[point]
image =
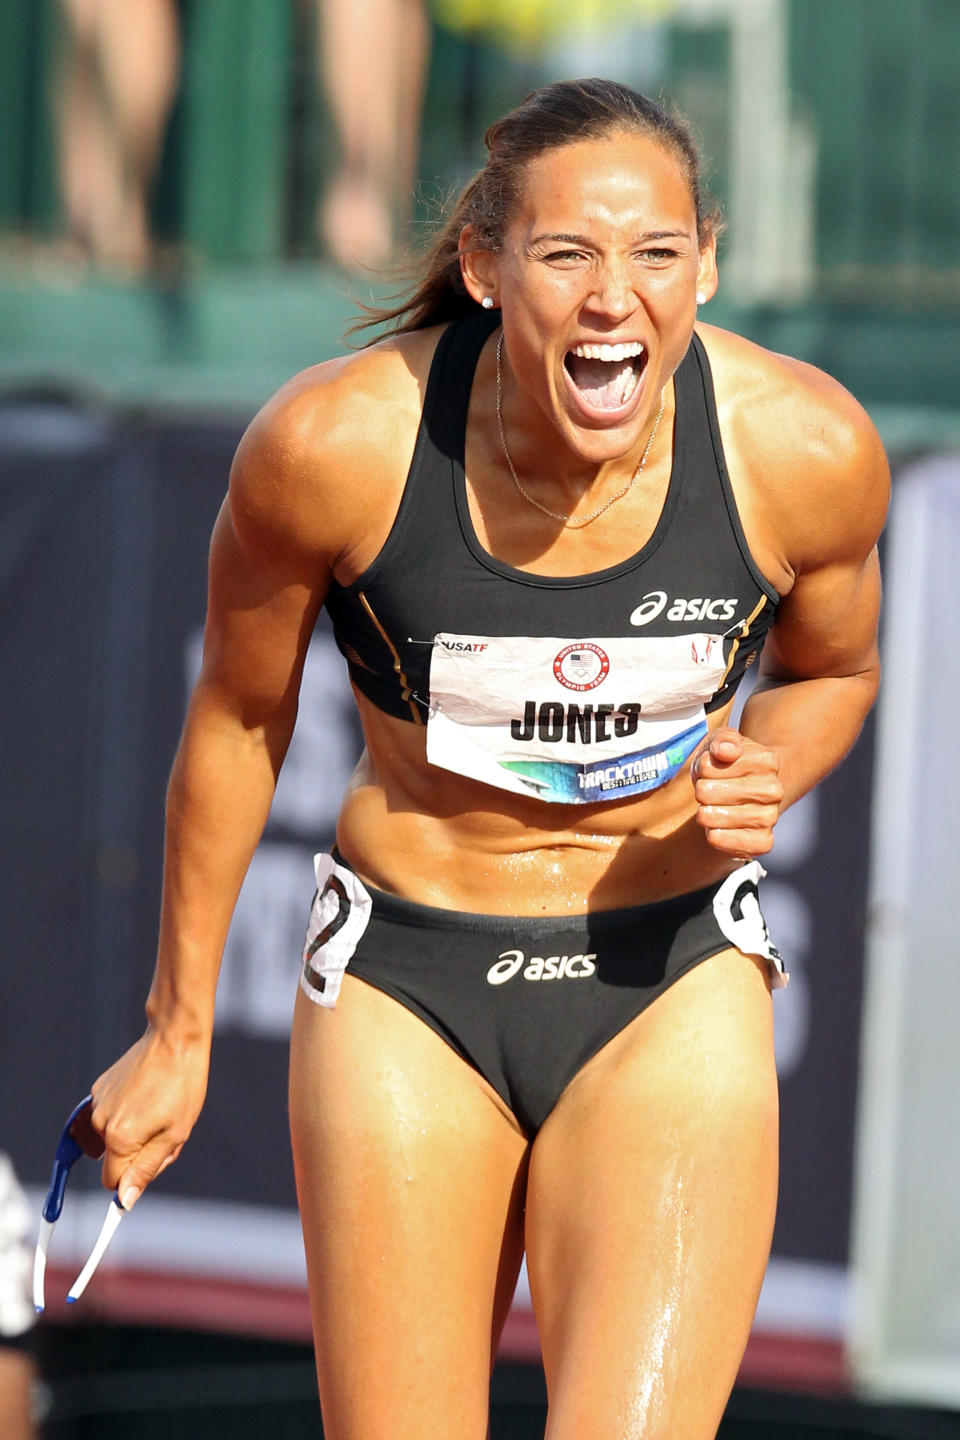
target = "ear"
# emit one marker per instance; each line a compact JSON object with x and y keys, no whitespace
{"x":707,"y":278}
{"x":478,"y":266}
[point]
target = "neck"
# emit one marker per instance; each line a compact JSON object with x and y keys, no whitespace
{"x":557,"y":474}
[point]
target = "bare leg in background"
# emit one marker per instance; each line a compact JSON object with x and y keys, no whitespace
{"x":372,"y":58}
{"x":118,"y":77}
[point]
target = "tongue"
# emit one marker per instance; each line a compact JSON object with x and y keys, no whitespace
{"x":604,"y":383}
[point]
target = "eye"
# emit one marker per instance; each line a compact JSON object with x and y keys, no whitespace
{"x":656,"y":255}
{"x":565,"y":257}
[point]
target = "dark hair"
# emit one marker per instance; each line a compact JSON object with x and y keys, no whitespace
{"x":549,"y":118}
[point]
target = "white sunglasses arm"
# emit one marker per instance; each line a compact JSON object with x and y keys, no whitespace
{"x":108,"y":1229}
{"x":40,"y":1263}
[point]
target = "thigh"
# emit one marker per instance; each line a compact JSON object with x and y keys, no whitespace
{"x":410,"y":1176}
{"x":650,"y":1209}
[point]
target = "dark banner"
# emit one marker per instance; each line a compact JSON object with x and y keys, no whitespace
{"x":104,"y":527}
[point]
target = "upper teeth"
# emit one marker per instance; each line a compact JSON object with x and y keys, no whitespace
{"x":627,"y":351}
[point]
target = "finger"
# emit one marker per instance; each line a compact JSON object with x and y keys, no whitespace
{"x":129,"y":1144}
{"x":151,"y":1161}
{"x":742,"y":844}
{"x":738,"y":817}
{"x":714,"y":752}
{"x":86,"y":1134}
{"x":751,"y":789}
{"x":726,"y":834}
{"x":174,"y":1155}
{"x":726,"y":744}
{"x":752,"y":760}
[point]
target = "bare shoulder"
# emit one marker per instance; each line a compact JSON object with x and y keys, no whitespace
{"x":327,"y":456}
{"x":808,"y":449}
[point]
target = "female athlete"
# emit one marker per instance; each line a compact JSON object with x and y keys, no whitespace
{"x":553,"y":519}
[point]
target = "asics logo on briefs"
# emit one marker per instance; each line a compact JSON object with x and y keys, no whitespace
{"x":655,"y":602}
{"x":540,"y":967}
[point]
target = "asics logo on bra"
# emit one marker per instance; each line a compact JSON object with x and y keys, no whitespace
{"x":540,"y":967}
{"x":655,"y":602}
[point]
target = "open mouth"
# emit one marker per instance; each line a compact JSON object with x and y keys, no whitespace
{"x":606,"y":376}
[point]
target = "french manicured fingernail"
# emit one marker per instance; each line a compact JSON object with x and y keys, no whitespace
{"x":130,"y":1196}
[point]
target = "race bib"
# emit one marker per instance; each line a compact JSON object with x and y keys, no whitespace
{"x":572,"y":722}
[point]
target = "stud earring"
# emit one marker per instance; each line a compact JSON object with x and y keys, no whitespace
{"x":701,"y":298}
{"x":487,"y":302}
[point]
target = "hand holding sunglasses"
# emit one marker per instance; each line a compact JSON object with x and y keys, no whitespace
{"x":78,"y":1138}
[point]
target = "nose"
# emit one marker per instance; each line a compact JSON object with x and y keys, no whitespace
{"x":614,"y":295}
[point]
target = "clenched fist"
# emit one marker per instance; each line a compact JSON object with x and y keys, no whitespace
{"x":738,"y":793}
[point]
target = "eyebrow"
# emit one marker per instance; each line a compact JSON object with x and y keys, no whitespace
{"x":583,"y":240}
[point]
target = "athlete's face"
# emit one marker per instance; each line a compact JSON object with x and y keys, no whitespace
{"x":602,"y":251}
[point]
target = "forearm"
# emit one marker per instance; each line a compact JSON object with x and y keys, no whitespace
{"x":218,"y":800}
{"x":810,"y":724}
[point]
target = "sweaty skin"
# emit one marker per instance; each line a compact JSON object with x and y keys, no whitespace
{"x":603,"y":247}
{"x":314,"y":490}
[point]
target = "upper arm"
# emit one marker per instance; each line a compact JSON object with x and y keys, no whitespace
{"x":270,"y":566}
{"x":318,"y":473}
{"x":826,"y":624}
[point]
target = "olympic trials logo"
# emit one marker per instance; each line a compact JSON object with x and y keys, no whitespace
{"x":582,"y":666}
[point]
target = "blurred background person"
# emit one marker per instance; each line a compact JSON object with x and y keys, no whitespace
{"x":372,"y":61}
{"x":17,"y":1365}
{"x":118,"y":77}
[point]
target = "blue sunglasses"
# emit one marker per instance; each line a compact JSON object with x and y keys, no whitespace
{"x":78,"y":1138}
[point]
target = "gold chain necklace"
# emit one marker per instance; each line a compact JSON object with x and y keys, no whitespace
{"x":554,"y":514}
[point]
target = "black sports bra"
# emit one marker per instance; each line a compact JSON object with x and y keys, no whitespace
{"x":574,"y":688}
